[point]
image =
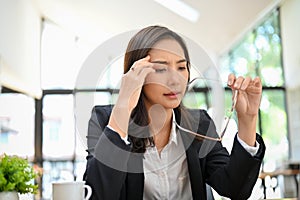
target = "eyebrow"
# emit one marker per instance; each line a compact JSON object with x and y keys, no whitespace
{"x":165,"y":62}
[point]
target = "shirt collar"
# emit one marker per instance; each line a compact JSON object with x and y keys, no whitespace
{"x":173,"y":134}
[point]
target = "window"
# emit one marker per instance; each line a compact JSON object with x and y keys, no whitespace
{"x":64,"y":142}
{"x":58,"y":127}
{"x":259,"y":54}
{"x":17,"y":125}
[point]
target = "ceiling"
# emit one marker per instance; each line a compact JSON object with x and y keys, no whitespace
{"x":221,"y":23}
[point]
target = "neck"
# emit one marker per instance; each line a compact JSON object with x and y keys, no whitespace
{"x":160,"y":125}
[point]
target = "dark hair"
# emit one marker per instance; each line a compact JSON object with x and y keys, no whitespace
{"x":138,"y":48}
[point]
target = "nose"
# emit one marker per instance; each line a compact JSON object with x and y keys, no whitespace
{"x":173,"y":78}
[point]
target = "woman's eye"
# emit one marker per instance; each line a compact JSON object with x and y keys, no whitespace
{"x":160,"y":70}
{"x":182,"y":68}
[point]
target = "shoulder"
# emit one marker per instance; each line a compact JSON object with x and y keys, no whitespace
{"x":193,"y":115}
{"x":203,"y":115}
{"x":195,"y":119}
{"x":102,"y":113}
{"x":103,"y":109}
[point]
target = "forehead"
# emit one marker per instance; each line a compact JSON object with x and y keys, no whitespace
{"x":167,"y":46}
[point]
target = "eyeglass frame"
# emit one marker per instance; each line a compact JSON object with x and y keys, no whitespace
{"x":202,"y":137}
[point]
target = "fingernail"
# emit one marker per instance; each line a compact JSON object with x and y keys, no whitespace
{"x":229,"y":82}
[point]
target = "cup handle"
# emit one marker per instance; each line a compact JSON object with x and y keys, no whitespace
{"x":89,"y":192}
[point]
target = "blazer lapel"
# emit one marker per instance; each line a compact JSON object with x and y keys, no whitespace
{"x":192,"y":154}
{"x":196,"y":178}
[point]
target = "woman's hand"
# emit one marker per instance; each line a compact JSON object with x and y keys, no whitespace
{"x":248,"y":102}
{"x":249,"y":94}
{"x":130,"y":90}
{"x":132,"y":83}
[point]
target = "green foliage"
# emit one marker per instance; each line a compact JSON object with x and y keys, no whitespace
{"x":16,"y":174}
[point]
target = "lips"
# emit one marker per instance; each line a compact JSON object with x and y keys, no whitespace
{"x":172,"y":95}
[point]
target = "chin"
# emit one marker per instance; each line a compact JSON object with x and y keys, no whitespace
{"x":171,"y":105}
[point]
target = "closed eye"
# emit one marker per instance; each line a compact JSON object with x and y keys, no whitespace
{"x":160,"y":70}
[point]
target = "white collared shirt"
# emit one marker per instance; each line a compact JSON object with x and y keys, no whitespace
{"x":166,"y":175}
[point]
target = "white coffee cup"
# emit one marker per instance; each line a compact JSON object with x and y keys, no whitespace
{"x":74,"y":190}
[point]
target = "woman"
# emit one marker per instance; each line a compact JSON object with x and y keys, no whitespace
{"x":135,"y":150}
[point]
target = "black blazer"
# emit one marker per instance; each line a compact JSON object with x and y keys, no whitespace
{"x":114,"y":173}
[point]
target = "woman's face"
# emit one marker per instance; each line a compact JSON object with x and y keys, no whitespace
{"x":166,"y":86}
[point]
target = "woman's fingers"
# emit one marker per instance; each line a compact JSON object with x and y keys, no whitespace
{"x":139,"y":65}
{"x":140,"y":69}
{"x":255,"y":86}
{"x":257,"y":82}
{"x":145,"y":71}
{"x":132,"y":82}
{"x":245,"y":83}
{"x":238,"y":82}
{"x":242,"y":83}
{"x":231,"y":80}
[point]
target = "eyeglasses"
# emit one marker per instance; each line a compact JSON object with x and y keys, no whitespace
{"x":202,"y":137}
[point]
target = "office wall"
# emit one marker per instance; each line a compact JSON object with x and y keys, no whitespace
{"x":290,"y":28}
{"x":20,"y":27}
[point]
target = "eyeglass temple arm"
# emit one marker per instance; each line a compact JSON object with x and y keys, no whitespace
{"x":197,"y":135}
{"x":231,"y":111}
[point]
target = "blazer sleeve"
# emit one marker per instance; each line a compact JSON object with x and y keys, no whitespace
{"x":233,"y":175}
{"x":107,"y":157}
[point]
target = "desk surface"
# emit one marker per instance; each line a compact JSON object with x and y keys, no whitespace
{"x":284,"y":199}
{"x":284,"y":172}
